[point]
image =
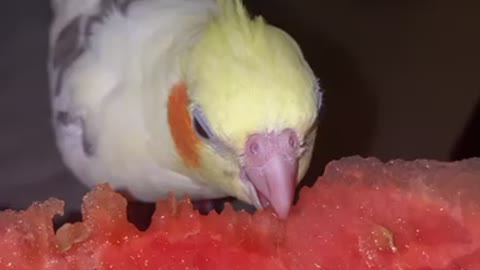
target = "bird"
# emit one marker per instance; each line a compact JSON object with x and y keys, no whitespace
{"x":194,"y":98}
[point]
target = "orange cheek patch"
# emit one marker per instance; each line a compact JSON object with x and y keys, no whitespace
{"x":181,"y":128}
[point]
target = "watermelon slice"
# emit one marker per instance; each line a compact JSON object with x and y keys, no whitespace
{"x":361,"y":214}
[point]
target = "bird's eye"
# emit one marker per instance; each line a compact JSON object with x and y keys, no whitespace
{"x":199,"y":128}
{"x":200,"y":125}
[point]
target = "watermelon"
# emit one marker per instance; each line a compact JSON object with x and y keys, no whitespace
{"x":361,"y":214}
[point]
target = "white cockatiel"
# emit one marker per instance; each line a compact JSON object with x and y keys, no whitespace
{"x":186,"y":96}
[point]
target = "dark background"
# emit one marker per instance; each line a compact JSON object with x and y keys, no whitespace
{"x":402,"y":79}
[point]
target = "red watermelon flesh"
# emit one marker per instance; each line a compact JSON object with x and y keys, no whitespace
{"x":361,"y":214}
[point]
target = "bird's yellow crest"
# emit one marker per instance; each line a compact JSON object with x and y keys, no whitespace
{"x":248,"y":76}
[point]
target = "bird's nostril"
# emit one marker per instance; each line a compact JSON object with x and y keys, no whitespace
{"x":254,"y":148}
{"x":292,"y":142}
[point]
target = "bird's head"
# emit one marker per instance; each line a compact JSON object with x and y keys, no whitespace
{"x":250,"y":103}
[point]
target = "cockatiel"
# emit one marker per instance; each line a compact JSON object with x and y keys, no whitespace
{"x":187,"y":96}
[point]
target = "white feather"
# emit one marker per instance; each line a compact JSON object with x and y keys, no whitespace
{"x":120,"y":86}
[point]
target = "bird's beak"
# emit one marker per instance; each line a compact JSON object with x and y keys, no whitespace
{"x":271,"y":165}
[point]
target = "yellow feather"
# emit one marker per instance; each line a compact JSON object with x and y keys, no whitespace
{"x":248,"y":76}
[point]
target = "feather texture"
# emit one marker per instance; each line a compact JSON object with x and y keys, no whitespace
{"x":257,"y":74}
{"x":118,"y":84}
{"x":126,"y":75}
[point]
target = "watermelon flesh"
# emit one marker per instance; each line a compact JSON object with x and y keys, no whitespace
{"x":361,"y":214}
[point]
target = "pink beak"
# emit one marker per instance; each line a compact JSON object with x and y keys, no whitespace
{"x":271,"y":165}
